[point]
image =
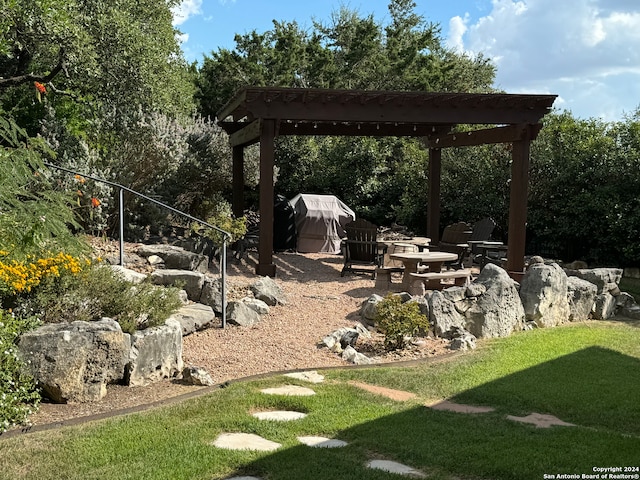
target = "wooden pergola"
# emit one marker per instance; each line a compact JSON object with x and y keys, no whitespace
{"x":260,"y":114}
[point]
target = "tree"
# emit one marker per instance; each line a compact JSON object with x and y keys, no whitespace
{"x":106,"y":70}
{"x":350,"y":51}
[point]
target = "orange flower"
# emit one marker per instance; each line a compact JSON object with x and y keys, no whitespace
{"x":95,"y":203}
{"x":40,"y":87}
{"x":79,"y":178}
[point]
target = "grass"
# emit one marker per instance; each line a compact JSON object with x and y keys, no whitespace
{"x":587,"y":374}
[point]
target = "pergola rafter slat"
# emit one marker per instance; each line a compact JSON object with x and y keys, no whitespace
{"x":259,"y":114}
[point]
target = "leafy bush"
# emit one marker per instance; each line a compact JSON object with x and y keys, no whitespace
{"x":222,"y":218}
{"x":100,"y":292}
{"x":18,"y":394}
{"x":398,"y":319}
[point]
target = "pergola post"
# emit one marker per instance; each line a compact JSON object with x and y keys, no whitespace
{"x":265,"y":266}
{"x":433,"y":208}
{"x":518,"y":204}
{"x":237,"y":203}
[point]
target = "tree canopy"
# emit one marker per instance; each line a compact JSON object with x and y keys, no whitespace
{"x":350,"y":51}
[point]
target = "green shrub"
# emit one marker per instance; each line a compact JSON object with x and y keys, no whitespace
{"x":100,"y":292}
{"x":18,"y":394}
{"x":398,"y":319}
{"x":220,"y":215}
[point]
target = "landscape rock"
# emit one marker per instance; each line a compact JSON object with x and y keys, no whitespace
{"x":256,"y":305}
{"x":606,"y":279}
{"x":604,"y":307}
{"x":267,"y":290}
{"x":369,"y":308}
{"x":128,"y":274}
{"x":176,"y":258}
{"x":339,"y":339}
{"x":240,"y":314}
{"x":194,"y":317}
{"x":191,"y":282}
{"x":211,"y":293}
{"x":351,"y":355}
{"x":74,"y":362}
{"x":156,"y":353}
{"x":544,"y":296}
{"x":443,"y":315}
{"x":498,"y":311}
{"x":461,"y":339}
{"x":581,"y":295}
{"x":196,"y":376}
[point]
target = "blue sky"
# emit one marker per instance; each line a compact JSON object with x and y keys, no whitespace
{"x":585,"y":51}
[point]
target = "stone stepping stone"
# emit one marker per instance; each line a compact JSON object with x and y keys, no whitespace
{"x":322,"y":442}
{"x":541,"y":420}
{"x":311,"y":377}
{"x":280,"y":415}
{"x":398,"y":395}
{"x":395,"y":467}
{"x":459,"y":407}
{"x":245,"y":441}
{"x":289,"y":390}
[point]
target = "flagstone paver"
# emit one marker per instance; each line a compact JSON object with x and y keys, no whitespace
{"x":398,"y":395}
{"x":245,"y":441}
{"x":395,"y":467}
{"x":280,"y":415}
{"x":289,"y":390}
{"x":311,"y":376}
{"x":322,"y":442}
{"x":541,"y":420}
{"x":458,"y":407}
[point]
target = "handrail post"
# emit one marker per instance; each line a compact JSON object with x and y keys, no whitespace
{"x":223,"y":290}
{"x":121,"y":221}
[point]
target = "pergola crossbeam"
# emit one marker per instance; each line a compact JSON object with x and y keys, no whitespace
{"x":262,"y":113}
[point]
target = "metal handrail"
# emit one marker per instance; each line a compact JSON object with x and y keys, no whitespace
{"x":226,"y":236}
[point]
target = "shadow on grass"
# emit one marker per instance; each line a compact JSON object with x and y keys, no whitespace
{"x":596,"y":388}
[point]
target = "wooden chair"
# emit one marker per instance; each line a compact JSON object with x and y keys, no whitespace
{"x":455,"y":239}
{"x":361,"y":248}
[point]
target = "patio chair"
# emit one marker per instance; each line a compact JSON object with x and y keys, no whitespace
{"x":482,"y":231}
{"x":455,"y":238}
{"x":361,"y":248}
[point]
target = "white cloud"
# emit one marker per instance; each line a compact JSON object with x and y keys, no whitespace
{"x":457,"y":29}
{"x":581,"y":49}
{"x":185,"y":10}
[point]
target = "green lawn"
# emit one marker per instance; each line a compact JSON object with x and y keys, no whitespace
{"x":587,"y":374}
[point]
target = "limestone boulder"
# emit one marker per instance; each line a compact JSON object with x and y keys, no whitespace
{"x":369,"y":308}
{"x":498,"y":311}
{"x":256,"y":305}
{"x":267,"y":290}
{"x":581,"y":296}
{"x":156,"y":353}
{"x":443,"y":315}
{"x":544,"y":295}
{"x":128,"y":274}
{"x":196,"y":376}
{"x":606,"y":279}
{"x":212,"y":293}
{"x":240,"y":314}
{"x":191,"y":282}
{"x":604,"y":307}
{"x":74,"y":362}
{"x":176,"y":258}
{"x":194,"y":317}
